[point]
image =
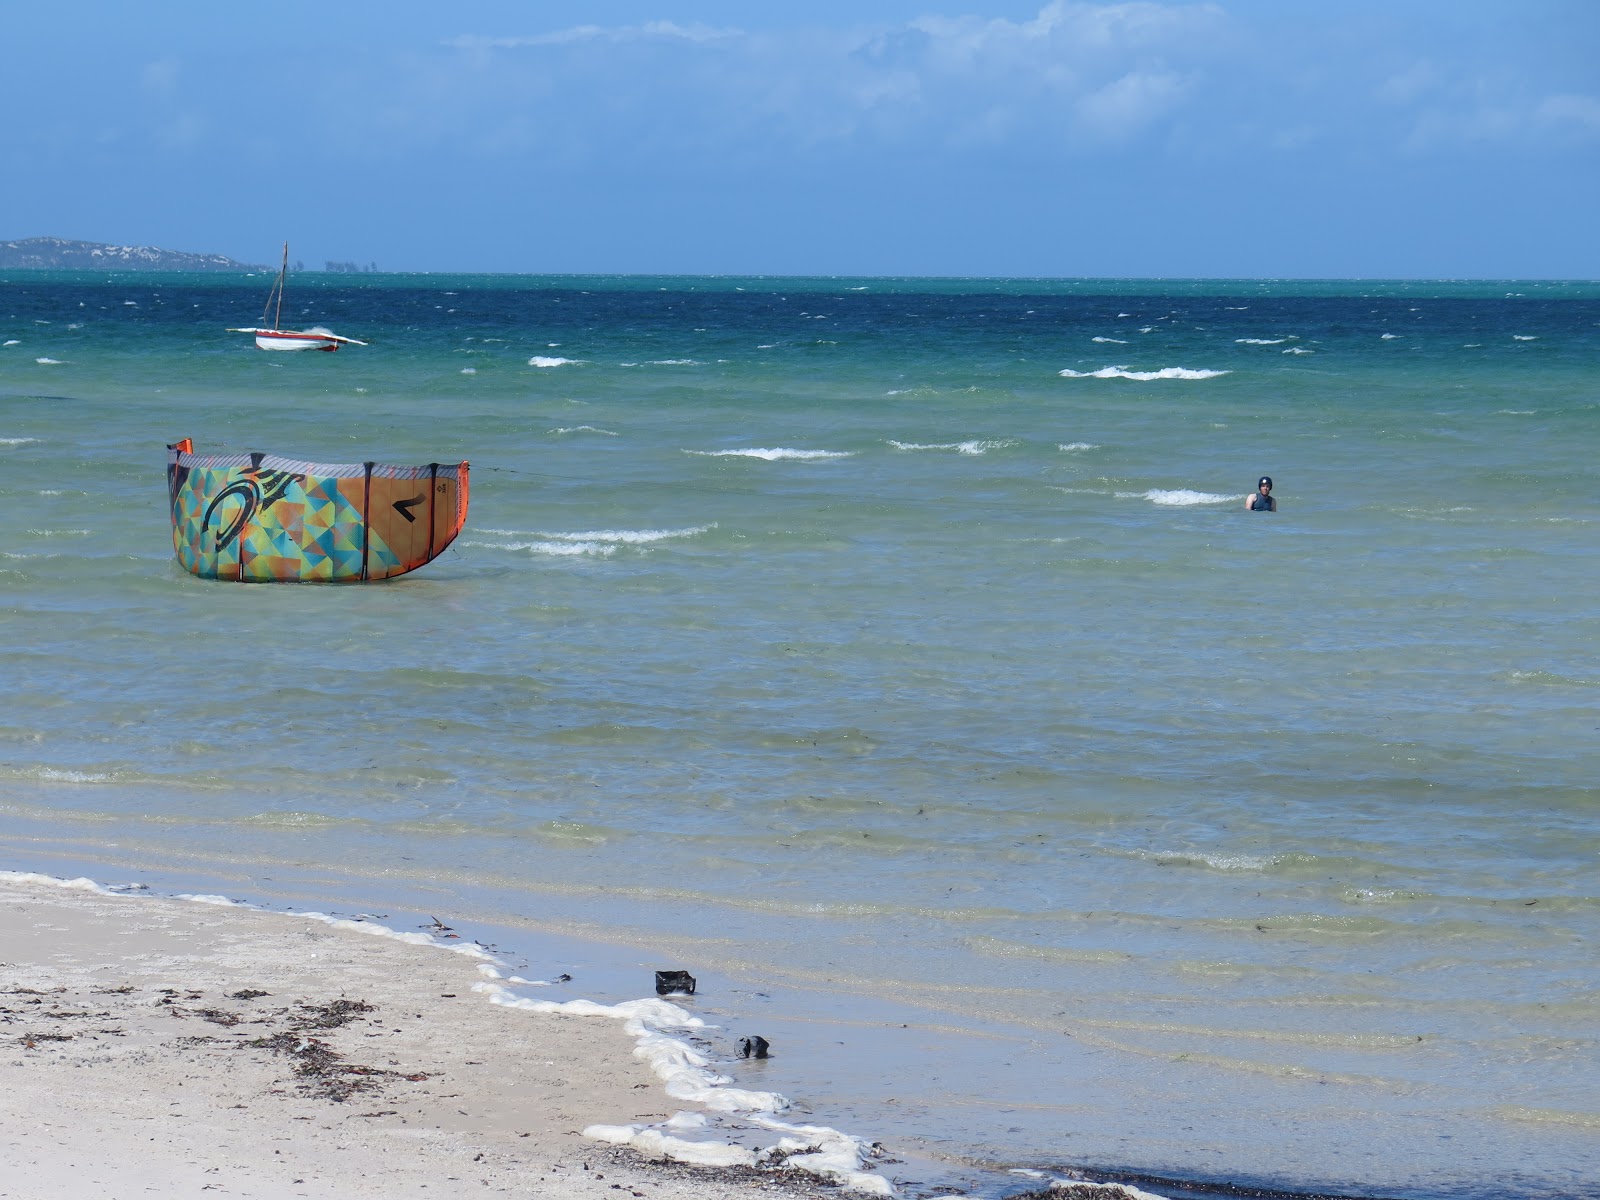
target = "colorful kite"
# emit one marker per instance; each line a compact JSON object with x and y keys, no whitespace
{"x":262,"y":519}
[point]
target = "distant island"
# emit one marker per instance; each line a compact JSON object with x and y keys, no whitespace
{"x":60,"y":254}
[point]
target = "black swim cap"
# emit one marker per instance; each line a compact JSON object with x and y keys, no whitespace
{"x":1266,"y":479}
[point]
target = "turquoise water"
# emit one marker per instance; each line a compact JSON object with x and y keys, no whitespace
{"x":900,"y":658}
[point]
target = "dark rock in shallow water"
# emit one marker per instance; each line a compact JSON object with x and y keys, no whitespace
{"x":674,"y":983}
{"x":755,"y":1047}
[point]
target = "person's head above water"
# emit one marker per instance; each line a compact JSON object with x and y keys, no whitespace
{"x":1266,"y":482}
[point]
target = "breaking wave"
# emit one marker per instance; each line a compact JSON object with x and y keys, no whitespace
{"x":975,"y":446}
{"x":771,"y":455}
{"x":1124,"y":373}
{"x":1179,"y":497}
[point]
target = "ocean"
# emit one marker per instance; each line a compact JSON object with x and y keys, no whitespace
{"x":896,"y":656}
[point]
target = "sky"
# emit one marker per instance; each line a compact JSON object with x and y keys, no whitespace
{"x":1232,"y":138}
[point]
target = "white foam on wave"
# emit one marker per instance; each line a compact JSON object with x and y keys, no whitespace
{"x":1516,"y":412}
{"x":469,"y":370}
{"x":1389,"y":337}
{"x":56,"y":775}
{"x":58,"y":533}
{"x":544,"y":360}
{"x":583,"y":429}
{"x":16,"y":441}
{"x":50,"y":362}
{"x":559,"y":549}
{"x":1262,"y":341}
{"x":1078,"y":446}
{"x":1113,"y":341}
{"x":12,"y":342}
{"x":673,"y":362}
{"x":1524,"y":337}
{"x":1125,"y":373}
{"x":773,"y":455}
{"x":975,"y":446}
{"x":1298,"y":350}
{"x":601,"y":543}
{"x":631,"y":537}
{"x":1178,"y":497}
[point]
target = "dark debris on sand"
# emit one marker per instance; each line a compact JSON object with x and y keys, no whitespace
{"x":320,"y":1071}
{"x":778,"y":1181}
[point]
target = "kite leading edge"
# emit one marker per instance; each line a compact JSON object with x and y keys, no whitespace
{"x":260,"y":518}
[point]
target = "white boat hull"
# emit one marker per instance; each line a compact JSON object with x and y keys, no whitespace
{"x":286,"y":340}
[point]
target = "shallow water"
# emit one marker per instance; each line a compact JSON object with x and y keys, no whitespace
{"x":943,"y":711}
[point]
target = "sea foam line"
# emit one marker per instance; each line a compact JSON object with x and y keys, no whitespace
{"x":1125,"y":373}
{"x":1180,"y":497}
{"x":976,"y":446}
{"x":544,"y":360}
{"x":772,"y":455}
{"x":688,"y":1076}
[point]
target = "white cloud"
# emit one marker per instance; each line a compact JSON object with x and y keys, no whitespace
{"x":1127,"y":105}
{"x":1571,"y":109}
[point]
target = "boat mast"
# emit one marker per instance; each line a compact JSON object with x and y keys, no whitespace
{"x":277,"y":320}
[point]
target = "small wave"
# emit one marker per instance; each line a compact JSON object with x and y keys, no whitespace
{"x":583,"y":429}
{"x":12,"y":342}
{"x":50,"y":362}
{"x":56,"y":775}
{"x":16,"y":441}
{"x":976,"y":446}
{"x":1216,"y":862}
{"x":1113,"y":341}
{"x":1389,"y":337}
{"x":542,"y":360}
{"x":1524,"y":337}
{"x":1147,"y":329}
{"x":772,"y":455}
{"x":58,"y":533}
{"x":1078,"y":446}
{"x":1551,"y":1116}
{"x":469,"y":370}
{"x":1179,"y":497}
{"x":1124,"y":373}
{"x":1298,"y":350}
{"x":767,"y":346}
{"x":1261,"y":341}
{"x":1516,"y":412}
{"x":673,"y":362}
{"x":631,"y":537}
{"x":567,"y":549}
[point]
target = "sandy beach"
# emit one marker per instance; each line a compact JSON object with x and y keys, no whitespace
{"x":183,"y":1048}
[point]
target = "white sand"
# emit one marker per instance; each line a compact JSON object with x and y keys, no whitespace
{"x":125,"y":1068}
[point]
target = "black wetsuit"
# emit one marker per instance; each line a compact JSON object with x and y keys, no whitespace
{"x":1260,"y":503}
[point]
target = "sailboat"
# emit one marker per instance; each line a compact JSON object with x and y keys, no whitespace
{"x":279,"y":338}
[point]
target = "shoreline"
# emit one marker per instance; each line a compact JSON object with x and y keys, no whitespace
{"x":191,"y":1044}
{"x":142,"y":998}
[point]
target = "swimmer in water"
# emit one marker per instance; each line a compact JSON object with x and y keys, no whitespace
{"x":1261,"y":499}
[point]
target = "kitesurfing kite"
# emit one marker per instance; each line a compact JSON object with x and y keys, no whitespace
{"x":261,"y":519}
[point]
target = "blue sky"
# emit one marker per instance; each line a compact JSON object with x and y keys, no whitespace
{"x":1271,"y":138}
